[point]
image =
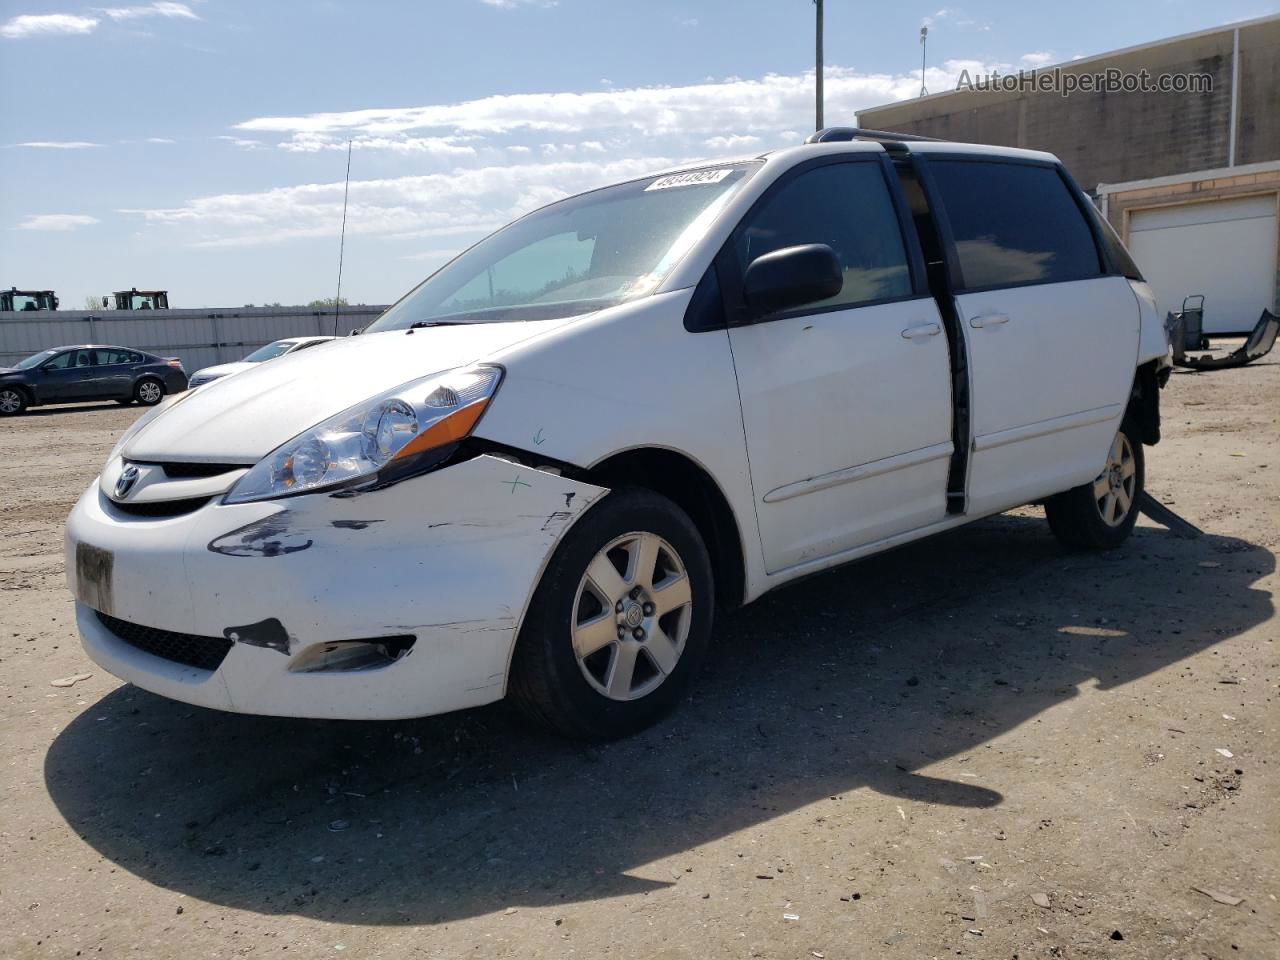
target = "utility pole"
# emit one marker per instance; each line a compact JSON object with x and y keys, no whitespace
{"x":818,"y":69}
{"x":924,"y":40}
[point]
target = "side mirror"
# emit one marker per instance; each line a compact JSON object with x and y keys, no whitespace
{"x":791,"y":277}
{"x":355,"y":331}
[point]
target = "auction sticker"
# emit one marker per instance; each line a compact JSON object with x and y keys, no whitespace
{"x":691,"y":179}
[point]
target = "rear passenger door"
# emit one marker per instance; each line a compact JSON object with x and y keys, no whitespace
{"x":1052,"y":340}
{"x":846,"y":403}
{"x":115,"y":373}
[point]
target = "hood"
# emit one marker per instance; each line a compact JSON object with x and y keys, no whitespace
{"x":240,"y":419}
{"x":222,"y":370}
{"x":5,"y":371}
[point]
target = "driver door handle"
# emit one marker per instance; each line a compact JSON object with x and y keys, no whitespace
{"x":988,"y":320}
{"x":921,"y":330}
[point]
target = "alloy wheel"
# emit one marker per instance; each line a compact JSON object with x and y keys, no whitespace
{"x":10,"y":401}
{"x":631,"y":616}
{"x":149,"y":392}
{"x":1113,"y":490}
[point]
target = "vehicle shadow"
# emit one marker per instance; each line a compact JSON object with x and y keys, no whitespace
{"x":58,"y":409}
{"x":849,"y":680}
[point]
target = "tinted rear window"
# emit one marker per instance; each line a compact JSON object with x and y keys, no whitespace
{"x":1014,"y":224}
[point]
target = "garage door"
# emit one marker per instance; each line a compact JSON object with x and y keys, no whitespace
{"x":1224,"y":249}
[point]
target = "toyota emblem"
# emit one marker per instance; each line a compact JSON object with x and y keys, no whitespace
{"x":124,"y":483}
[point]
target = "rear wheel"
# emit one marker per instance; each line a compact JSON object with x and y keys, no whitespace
{"x":620,"y":622}
{"x":1100,"y":514}
{"x":12,"y":401}
{"x":149,"y":391}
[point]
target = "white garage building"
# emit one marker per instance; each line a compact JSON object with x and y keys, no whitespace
{"x":1213,"y":232}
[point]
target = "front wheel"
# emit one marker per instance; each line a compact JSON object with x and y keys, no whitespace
{"x":12,"y":401}
{"x":1100,"y":514}
{"x":620,"y":622}
{"x":149,"y":392}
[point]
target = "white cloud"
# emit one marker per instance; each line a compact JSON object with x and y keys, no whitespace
{"x":160,"y":140}
{"x":48,"y":24}
{"x":242,"y":143}
{"x":771,"y":103}
{"x":1037,"y":58}
{"x":436,"y":146}
{"x":57,"y":144}
{"x":56,"y":222}
{"x":162,"y":8}
{"x":513,"y":4}
{"x":732,"y":143}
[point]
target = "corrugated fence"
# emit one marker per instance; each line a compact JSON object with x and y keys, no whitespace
{"x":200,"y":338}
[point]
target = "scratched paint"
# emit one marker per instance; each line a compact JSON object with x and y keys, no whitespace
{"x":268,"y":537}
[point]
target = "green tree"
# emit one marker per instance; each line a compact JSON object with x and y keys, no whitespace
{"x":328,"y":302}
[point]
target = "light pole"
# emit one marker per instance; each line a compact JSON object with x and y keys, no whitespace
{"x":924,"y":40}
{"x":818,"y":68}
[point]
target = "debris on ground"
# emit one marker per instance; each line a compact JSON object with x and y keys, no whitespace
{"x":1223,"y":898}
{"x":1040,"y":900}
{"x":70,"y":681}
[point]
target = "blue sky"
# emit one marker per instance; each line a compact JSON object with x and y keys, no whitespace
{"x":200,"y":146}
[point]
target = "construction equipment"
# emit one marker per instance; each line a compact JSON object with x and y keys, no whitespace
{"x":136,"y":299}
{"x":15,"y":299}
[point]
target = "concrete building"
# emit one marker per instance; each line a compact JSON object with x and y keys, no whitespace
{"x":1190,"y":178}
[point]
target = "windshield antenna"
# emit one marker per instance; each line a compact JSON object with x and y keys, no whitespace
{"x":342,"y":241}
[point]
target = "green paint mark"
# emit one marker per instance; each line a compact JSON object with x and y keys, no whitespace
{"x":538,"y":438}
{"x":517,"y":482}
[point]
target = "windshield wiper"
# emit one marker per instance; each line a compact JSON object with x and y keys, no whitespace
{"x":419,"y":324}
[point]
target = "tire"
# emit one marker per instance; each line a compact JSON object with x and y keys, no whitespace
{"x":12,"y":401}
{"x":627,"y":682}
{"x":1100,"y":515}
{"x":149,"y":391}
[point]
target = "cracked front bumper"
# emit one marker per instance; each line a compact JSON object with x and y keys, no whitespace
{"x":450,"y":558}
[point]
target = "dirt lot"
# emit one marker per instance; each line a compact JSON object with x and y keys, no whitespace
{"x":898,"y":759}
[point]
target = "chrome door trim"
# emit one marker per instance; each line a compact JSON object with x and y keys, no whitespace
{"x":863,"y":471}
{"x":1041,"y":428}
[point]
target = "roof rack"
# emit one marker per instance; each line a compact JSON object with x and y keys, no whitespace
{"x":838,"y":134}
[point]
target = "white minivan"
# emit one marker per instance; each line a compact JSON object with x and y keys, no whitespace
{"x":540,"y":472}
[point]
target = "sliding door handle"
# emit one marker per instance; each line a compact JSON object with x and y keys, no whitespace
{"x":921,"y":330}
{"x":988,"y":320}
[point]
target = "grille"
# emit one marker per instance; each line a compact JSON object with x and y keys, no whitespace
{"x":162,"y":508}
{"x":181,"y":469}
{"x":205,"y":653}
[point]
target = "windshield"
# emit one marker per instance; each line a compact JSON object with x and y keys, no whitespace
{"x":582,"y":254}
{"x":34,"y":360}
{"x":268,"y":352}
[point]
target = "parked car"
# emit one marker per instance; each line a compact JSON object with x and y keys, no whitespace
{"x":277,"y":348}
{"x":89,"y":372}
{"x":542,"y":471}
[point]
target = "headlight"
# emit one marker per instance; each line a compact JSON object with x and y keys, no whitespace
{"x":411,"y":427}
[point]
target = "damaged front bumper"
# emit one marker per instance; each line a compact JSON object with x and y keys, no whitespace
{"x":399,"y":602}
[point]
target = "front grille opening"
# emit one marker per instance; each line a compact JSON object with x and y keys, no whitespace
{"x":344,"y":656}
{"x":203,"y":653}
{"x":181,"y":470}
{"x":162,"y":508}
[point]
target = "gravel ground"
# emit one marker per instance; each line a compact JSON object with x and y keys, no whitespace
{"x":978,"y":746}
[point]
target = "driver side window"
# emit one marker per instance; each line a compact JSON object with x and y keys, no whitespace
{"x":846,"y":206}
